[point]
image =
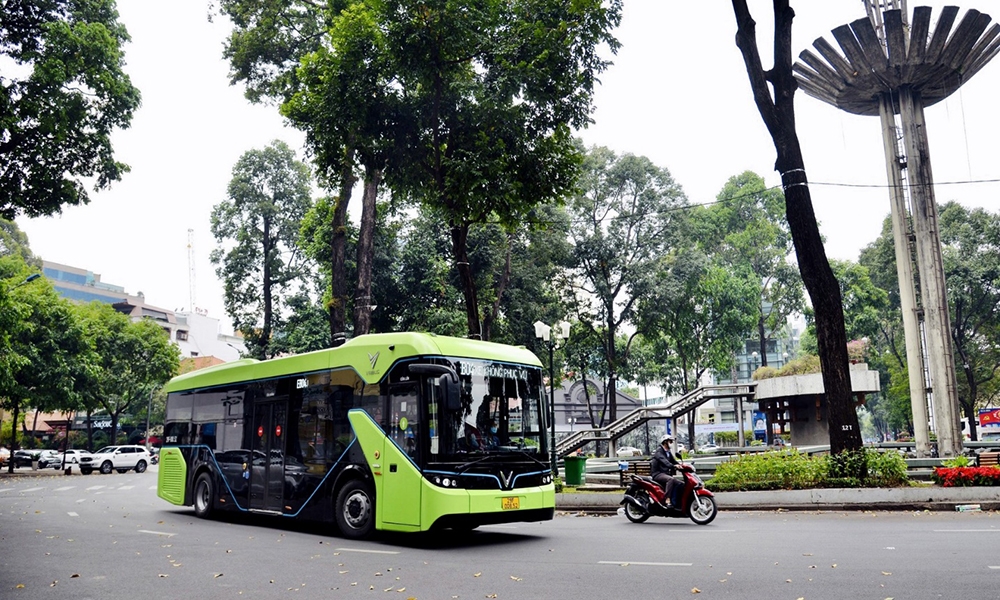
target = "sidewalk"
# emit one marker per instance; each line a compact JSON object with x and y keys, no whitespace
{"x":908,"y":498}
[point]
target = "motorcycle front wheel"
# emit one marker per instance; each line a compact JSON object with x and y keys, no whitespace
{"x":703,"y":509}
{"x":635,"y":514}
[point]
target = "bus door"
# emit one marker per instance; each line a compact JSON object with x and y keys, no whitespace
{"x":267,"y":475}
{"x":400,"y":499}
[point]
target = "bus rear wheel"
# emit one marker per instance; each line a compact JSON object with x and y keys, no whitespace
{"x":355,"y":510}
{"x":204,"y":491}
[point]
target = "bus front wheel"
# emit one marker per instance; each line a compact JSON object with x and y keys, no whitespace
{"x":355,"y":510}
{"x":204,"y":492}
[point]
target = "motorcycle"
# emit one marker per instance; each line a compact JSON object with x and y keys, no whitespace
{"x":645,"y":498}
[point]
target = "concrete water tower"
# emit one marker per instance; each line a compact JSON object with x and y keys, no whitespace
{"x":893,"y":68}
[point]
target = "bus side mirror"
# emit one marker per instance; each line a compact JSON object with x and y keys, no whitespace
{"x":451,"y":392}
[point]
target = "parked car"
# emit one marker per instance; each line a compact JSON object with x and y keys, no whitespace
{"x":23,"y":458}
{"x":708,"y":448}
{"x":626,"y":451}
{"x":73,"y":456}
{"x":49,"y":459}
{"x":118,"y":458}
{"x":4,"y":456}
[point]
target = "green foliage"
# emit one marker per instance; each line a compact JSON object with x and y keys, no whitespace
{"x":727,"y":438}
{"x":62,"y":94}
{"x":958,"y":461}
{"x":885,"y":469}
{"x":130,"y":360}
{"x":847,"y":469}
{"x":257,"y":230}
{"x":788,"y":469}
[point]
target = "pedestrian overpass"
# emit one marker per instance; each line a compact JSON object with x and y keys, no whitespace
{"x":685,"y":405}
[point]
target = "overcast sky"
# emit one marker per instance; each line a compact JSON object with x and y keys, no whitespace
{"x":677,"y":93}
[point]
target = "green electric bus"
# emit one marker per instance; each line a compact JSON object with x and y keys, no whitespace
{"x":394,"y":432}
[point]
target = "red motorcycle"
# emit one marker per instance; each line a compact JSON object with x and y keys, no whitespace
{"x":645,"y":498}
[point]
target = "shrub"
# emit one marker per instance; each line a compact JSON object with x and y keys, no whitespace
{"x":885,"y":469}
{"x":768,"y":471}
{"x":789,"y":470}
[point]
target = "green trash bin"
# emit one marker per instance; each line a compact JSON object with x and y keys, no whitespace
{"x":576,"y":466}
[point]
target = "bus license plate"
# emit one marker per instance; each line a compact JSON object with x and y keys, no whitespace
{"x":510,"y":503}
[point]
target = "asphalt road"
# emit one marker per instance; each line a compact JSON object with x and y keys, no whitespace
{"x":108,"y":537}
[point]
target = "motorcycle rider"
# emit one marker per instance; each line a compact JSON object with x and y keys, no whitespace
{"x":663,"y":466}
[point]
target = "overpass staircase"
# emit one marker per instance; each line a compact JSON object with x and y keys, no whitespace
{"x":667,"y":410}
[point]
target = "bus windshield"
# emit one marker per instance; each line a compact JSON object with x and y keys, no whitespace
{"x":501,"y":411}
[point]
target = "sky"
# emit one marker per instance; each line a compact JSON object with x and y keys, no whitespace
{"x":677,"y":93}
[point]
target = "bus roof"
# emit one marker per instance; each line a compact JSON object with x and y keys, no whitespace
{"x":369,"y":355}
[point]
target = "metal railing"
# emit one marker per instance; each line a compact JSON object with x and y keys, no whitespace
{"x":667,"y":410}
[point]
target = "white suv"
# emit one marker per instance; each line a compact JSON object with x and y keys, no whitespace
{"x":119,"y":458}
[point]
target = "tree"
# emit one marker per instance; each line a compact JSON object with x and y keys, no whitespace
{"x":751,"y":232}
{"x":257,"y":229}
{"x":697,"y":315}
{"x":59,"y":103}
{"x":495,"y":92}
{"x":625,"y":219}
{"x":467,"y":109}
{"x":40,"y":341}
{"x":134,"y":358}
{"x":778,"y":114}
{"x":970,"y":242}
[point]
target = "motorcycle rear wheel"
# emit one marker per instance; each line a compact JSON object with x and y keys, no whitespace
{"x":703,"y":509}
{"x":635,"y":514}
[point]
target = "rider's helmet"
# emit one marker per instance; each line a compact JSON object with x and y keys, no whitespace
{"x":666,"y":438}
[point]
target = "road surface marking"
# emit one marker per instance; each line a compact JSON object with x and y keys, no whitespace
{"x":967,"y":531}
{"x":624,"y":563}
{"x":367,"y":551}
{"x":152,"y":487}
{"x":157,"y":532}
{"x":64,"y":488}
{"x":34,"y":489}
{"x":81,"y":500}
{"x":94,"y":487}
{"x":72,"y":514}
{"x":126,"y":487}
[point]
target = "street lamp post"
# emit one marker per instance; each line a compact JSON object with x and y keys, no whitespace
{"x":544,"y":332}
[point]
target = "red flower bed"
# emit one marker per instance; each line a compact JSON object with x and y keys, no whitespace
{"x":966,"y":476}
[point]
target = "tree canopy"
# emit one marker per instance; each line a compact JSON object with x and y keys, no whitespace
{"x":62,"y":93}
{"x":257,"y":229}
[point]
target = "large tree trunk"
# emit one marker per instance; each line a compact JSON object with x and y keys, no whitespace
{"x":821,"y":284}
{"x":369,"y":211}
{"x":15,"y":413}
{"x":490,"y":317}
{"x":460,"y":252}
{"x":267,"y":284}
{"x":338,"y":249}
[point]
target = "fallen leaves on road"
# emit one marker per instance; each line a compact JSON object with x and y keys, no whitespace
{"x":695,"y":591}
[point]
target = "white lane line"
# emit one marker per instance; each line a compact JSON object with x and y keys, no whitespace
{"x":94,"y":487}
{"x":34,"y":489}
{"x":64,"y":488}
{"x":152,"y":487}
{"x":72,"y":514}
{"x":81,"y":500}
{"x":628,"y":563}
{"x":157,"y":532}
{"x":967,"y":531}
{"x":126,"y":487}
{"x":994,"y":567}
{"x":367,"y":551}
